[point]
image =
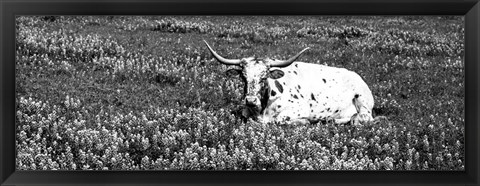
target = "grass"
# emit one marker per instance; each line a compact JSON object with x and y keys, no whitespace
{"x":144,"y":93}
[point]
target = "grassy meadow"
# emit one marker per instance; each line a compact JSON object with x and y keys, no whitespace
{"x":144,"y":93}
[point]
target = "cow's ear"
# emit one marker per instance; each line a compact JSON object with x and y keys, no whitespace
{"x":275,"y":74}
{"x":233,"y":72}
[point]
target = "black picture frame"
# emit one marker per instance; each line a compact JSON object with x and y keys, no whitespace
{"x":9,"y":9}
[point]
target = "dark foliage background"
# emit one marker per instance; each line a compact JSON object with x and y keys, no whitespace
{"x":143,"y":93}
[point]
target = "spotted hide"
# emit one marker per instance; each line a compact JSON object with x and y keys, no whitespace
{"x":286,"y":91}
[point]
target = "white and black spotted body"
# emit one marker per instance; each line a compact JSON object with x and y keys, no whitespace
{"x":317,"y":92}
{"x":288,"y":91}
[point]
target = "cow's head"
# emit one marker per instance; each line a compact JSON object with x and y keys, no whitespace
{"x":254,"y":73}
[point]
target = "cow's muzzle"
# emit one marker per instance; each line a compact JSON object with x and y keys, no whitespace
{"x":252,"y":101}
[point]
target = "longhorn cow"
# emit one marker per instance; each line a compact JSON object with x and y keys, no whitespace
{"x":297,"y":92}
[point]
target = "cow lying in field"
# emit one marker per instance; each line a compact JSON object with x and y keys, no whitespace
{"x":298,"y":92}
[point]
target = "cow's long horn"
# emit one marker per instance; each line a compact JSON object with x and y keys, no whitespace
{"x":221,"y":59}
{"x":280,"y":63}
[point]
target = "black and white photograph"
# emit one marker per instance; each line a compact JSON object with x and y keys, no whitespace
{"x":240,"y":93}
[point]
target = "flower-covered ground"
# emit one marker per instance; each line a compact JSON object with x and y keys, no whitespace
{"x":144,"y":93}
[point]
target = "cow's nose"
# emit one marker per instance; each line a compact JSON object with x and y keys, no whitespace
{"x":251,"y":100}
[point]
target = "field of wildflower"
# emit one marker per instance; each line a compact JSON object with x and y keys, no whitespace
{"x":144,"y":93}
